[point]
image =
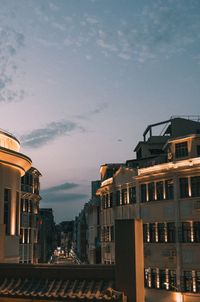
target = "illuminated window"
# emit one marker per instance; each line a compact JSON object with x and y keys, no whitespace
{"x":147,"y":277}
{"x":124,"y":196}
{"x":184,"y":189}
{"x":181,"y":150}
{"x":146,"y":232}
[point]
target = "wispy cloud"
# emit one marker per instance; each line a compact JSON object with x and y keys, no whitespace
{"x":10,"y":43}
{"x":97,"y":110}
{"x":50,"y":132}
{"x":60,"y":194}
{"x":60,"y":188}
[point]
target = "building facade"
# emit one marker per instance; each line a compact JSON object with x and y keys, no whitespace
{"x":161,"y":188}
{"x":13,"y":166}
{"x":30,"y":198}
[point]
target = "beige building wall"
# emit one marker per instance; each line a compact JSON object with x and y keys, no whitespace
{"x":12,"y":166}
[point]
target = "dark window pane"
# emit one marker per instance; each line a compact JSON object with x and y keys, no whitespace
{"x":153,"y":278}
{"x":171,"y":236}
{"x":186,"y":232}
{"x":159,"y":190}
{"x":7,"y":201}
{"x":143,"y":192}
{"x":161,"y":232}
{"x":196,"y":227}
{"x":184,"y":192}
{"x":195,"y":186}
{"x":162,"y":278}
{"x":181,"y":150}
{"x":145,"y":234}
{"x":111,"y":200}
{"x":151,"y":190}
{"x":169,"y":189}
{"x":117,"y":198}
{"x":188,"y":281}
{"x":132,"y":195}
{"x":172,"y":279}
{"x":198,"y":282}
{"x":152,"y":231}
{"x":198,"y":150}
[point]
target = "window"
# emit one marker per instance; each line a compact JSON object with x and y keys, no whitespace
{"x":124,"y":196}
{"x":161,"y":232}
{"x":195,"y":186}
{"x":17,"y":214}
{"x":198,"y":282}
{"x":112,"y":233}
{"x":159,"y":190}
{"x":106,"y":201}
{"x":181,"y":150}
{"x":152,"y":231}
{"x":151,"y":190}
{"x":198,"y":150}
{"x":169,"y":189}
{"x":132,"y":195}
{"x":171,"y":236}
{"x":111,"y":200}
{"x":186,"y":232}
{"x":187,"y":281}
{"x":145,"y":232}
{"x":146,"y":277}
{"x":184,"y":192}
{"x":196,"y":228}
{"x":117,"y":198}
{"x":7,"y":201}
{"x":153,"y":278}
{"x":143,"y":192}
{"x":172,"y":279}
{"x":162,"y":279}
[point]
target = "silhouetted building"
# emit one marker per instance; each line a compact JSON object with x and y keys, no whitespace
{"x":46,"y":235}
{"x":93,"y":222}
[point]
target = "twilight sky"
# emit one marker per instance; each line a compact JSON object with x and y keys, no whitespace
{"x":81,"y":79}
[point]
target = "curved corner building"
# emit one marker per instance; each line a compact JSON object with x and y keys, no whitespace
{"x":13,"y":166}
